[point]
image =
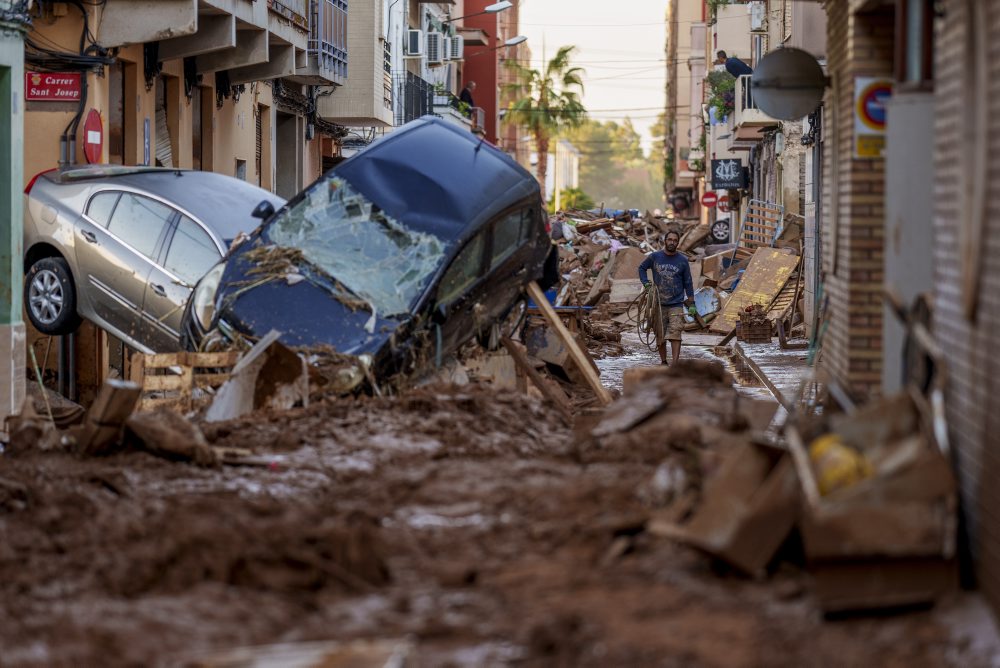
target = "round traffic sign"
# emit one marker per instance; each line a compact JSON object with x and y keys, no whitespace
{"x":709,"y":199}
{"x":871,"y":104}
{"x":93,"y":137}
{"x":724,"y":204}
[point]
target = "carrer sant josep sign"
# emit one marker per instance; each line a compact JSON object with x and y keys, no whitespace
{"x":52,"y":86}
{"x":728,"y":175}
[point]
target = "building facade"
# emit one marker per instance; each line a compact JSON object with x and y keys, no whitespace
{"x":14,"y":20}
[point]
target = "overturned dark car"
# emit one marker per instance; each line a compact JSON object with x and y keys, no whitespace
{"x":398,"y":255}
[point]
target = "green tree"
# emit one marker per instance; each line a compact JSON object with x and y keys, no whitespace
{"x":545,"y":102}
{"x":614,"y":169}
{"x":571,"y":198}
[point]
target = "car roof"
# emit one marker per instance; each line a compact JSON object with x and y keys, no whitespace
{"x":222,"y":202}
{"x":438,"y":178}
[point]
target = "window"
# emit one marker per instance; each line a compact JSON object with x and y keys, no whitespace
{"x":464,"y":270}
{"x":139,"y":222}
{"x":100,"y":207}
{"x":507,"y":234}
{"x":192,"y":252}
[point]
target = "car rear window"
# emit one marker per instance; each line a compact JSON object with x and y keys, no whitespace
{"x":100,"y":207}
{"x":509,"y":233}
{"x":139,"y":222}
{"x":192,"y":252}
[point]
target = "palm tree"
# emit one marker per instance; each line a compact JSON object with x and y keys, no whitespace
{"x":545,"y":102}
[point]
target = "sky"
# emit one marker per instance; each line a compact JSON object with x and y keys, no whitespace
{"x":620,"y":45}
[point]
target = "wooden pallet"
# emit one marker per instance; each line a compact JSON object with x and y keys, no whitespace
{"x":760,"y":225}
{"x":169,"y":379}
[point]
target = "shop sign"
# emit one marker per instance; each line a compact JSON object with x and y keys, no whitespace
{"x":728,"y":175}
{"x":52,"y":86}
{"x":870,"y":96}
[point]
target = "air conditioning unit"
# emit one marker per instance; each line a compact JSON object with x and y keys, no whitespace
{"x":446,"y":51}
{"x":458,"y":48}
{"x":758,"y":16}
{"x":414,"y":44}
{"x":435,"y":48}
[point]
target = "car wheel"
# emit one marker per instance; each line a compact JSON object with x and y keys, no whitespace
{"x":720,"y":231}
{"x":50,"y":297}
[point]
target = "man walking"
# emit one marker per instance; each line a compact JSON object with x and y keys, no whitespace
{"x":672,"y":277}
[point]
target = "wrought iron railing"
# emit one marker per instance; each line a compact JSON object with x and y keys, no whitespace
{"x":328,"y":36}
{"x":415,"y":97}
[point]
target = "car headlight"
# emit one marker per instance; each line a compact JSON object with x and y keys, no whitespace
{"x":204,"y":296}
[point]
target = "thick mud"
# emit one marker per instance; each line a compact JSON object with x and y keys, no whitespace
{"x":473,"y":523}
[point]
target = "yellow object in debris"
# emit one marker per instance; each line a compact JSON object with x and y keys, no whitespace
{"x":837,"y":465}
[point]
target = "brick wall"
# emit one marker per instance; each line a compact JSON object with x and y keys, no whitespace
{"x":972,"y":347}
{"x":859,"y":44}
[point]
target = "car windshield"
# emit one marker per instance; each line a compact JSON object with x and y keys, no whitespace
{"x":350,"y":238}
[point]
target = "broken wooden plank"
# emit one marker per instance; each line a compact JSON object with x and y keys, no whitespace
{"x":580,"y":356}
{"x":550,"y":391}
{"x":102,"y":427}
{"x":764,"y":278}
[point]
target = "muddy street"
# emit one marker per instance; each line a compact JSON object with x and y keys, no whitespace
{"x":474,"y":527}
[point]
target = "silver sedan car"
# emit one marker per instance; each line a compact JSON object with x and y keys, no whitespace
{"x":123,"y":246}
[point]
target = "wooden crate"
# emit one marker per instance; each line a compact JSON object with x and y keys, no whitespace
{"x":754,"y":333}
{"x":169,"y":379}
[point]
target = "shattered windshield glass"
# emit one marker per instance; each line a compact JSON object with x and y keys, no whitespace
{"x":349,"y":237}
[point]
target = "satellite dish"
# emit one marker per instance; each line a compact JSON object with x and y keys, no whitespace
{"x":788,"y":84}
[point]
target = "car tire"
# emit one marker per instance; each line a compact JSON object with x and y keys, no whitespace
{"x":50,"y":297}
{"x":720,"y":231}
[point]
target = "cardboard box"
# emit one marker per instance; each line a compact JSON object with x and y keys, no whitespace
{"x":748,"y":508}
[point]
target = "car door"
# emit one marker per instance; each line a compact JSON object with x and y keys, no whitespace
{"x":116,"y":256}
{"x":460,"y":290}
{"x":189,"y":253}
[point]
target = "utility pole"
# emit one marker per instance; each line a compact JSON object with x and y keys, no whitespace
{"x":14,"y":23}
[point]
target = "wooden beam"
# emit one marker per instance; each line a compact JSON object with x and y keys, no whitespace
{"x":579,"y":356}
{"x":550,"y":391}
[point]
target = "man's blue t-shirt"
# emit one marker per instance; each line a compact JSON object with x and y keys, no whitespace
{"x":672,"y":275}
{"x":737,"y":67}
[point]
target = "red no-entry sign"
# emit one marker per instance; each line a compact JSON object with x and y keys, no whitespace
{"x":724,"y":204}
{"x":709,"y":199}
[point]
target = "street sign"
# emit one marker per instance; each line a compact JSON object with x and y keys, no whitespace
{"x":727,"y":175}
{"x":709,"y":199}
{"x":93,"y":137}
{"x":724,"y":204}
{"x":870,"y":96}
{"x":52,"y":86}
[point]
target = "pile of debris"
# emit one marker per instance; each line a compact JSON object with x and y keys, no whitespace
{"x":600,"y":258}
{"x":864,"y":499}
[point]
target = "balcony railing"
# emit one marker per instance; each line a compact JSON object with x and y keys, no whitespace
{"x":747,"y":114}
{"x":328,"y":38}
{"x":415,"y":96}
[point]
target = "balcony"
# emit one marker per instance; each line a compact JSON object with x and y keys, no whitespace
{"x":365,"y":98}
{"x":414,"y":97}
{"x":748,"y":119}
{"x":325,"y":59}
{"x":252,"y":41}
{"x":445,"y":107}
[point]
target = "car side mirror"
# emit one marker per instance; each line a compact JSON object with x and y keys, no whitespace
{"x":264,"y":210}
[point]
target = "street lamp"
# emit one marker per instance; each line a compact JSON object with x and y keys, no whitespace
{"x":488,"y":9}
{"x":513,"y":41}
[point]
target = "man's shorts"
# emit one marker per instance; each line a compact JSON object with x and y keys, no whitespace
{"x":673,"y":322}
